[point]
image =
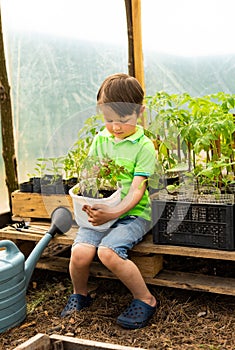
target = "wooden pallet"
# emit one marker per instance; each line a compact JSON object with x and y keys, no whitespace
{"x":148,"y":263}
{"x":55,"y":341}
{"x":147,"y":255}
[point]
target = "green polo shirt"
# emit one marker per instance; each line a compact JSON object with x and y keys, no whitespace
{"x":137,"y":154}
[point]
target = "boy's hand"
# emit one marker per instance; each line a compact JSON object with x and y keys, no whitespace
{"x":98,"y":214}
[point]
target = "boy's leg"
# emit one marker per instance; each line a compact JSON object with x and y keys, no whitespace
{"x":83,"y":252}
{"x":113,"y":253}
{"x":80,"y":261}
{"x":128,"y":273}
{"x":81,"y":258}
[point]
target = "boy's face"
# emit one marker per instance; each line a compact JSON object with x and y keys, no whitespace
{"x":119,"y":127}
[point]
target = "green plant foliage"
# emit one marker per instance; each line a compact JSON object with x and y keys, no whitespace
{"x":192,"y":135}
{"x":100,"y":174}
{"x":73,"y":161}
{"x":197,"y":131}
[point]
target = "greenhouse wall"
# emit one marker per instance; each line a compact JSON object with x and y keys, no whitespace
{"x":58,"y":58}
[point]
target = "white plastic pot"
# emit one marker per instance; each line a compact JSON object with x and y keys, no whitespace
{"x":81,"y":217}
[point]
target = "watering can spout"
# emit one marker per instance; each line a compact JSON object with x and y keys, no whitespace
{"x":61,"y":222}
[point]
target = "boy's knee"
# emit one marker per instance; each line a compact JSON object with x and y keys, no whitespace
{"x":106,"y":255}
{"x":81,"y":254}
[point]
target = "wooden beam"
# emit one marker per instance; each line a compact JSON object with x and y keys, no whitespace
{"x":131,"y":67}
{"x":8,"y":147}
{"x":137,"y":40}
{"x":134,"y":31}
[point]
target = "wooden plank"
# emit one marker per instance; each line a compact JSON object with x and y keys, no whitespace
{"x":59,"y":264}
{"x":38,"y":342}
{"x":46,"y":342}
{"x":35,"y":235}
{"x":70,"y":343}
{"x":194,"y":281}
{"x":146,"y":246}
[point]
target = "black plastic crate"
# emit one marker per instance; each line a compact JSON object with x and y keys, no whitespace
{"x":193,"y":224}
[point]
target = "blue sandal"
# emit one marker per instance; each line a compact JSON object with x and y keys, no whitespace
{"x":76,"y":302}
{"x":136,"y":315}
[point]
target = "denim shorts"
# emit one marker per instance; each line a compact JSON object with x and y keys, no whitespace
{"x":120,"y":237}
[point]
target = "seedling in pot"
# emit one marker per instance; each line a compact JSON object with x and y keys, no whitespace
{"x":100,"y":177}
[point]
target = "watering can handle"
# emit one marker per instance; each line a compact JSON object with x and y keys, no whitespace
{"x":10,"y":246}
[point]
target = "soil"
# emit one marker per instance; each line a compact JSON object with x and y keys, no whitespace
{"x":184,"y":319}
{"x":98,"y":194}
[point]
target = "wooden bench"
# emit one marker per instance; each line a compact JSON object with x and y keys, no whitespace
{"x":147,"y":256}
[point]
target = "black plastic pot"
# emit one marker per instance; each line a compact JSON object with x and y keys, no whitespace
{"x":48,"y":185}
{"x":26,"y":186}
{"x":52,"y":185}
{"x":59,"y":188}
{"x":69,"y":183}
{"x":36,"y":185}
{"x":48,"y":189}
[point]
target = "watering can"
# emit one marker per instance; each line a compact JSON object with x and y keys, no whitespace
{"x":15,"y":272}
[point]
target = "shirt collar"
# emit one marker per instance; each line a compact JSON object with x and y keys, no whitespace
{"x":133,"y":138}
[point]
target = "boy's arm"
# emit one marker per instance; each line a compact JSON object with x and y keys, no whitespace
{"x":101,"y":213}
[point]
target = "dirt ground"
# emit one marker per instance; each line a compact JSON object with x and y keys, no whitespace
{"x":184,"y":319}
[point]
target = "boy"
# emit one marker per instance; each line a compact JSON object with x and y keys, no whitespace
{"x":120,"y":98}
